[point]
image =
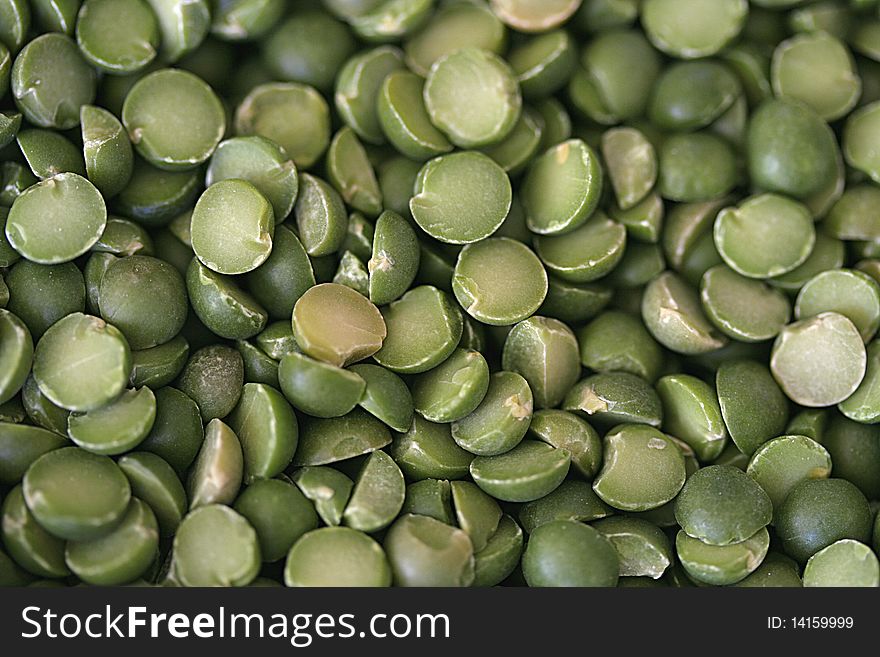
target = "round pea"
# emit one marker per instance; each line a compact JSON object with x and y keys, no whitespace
{"x":587,"y":253}
{"x":337,"y":556}
{"x":482,"y":83}
{"x":174,"y":119}
{"x":215,"y":546}
{"x":693,"y":28}
{"x":16,"y":354}
{"x":844,"y":563}
{"x":453,"y":389}
{"x":118,"y":427}
{"x":76,"y":495}
{"x":461,"y":198}
{"x":819,"y":361}
{"x":31,"y":546}
{"x":721,"y":565}
{"x":527,"y":472}
{"x":117,"y":37}
{"x":742,"y":308}
{"x":853,"y":294}
{"x":566,"y":553}
{"x":860,"y":140}
{"x":56,"y":220}
{"x":500,"y":421}
{"x":423,"y":551}
{"x":782,"y":463}
{"x":642,"y":469}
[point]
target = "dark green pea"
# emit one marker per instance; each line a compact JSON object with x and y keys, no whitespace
{"x":642,"y":469}
{"x":21,"y":445}
{"x":337,"y":556}
{"x":258,"y":367}
{"x":16,"y":354}
{"x":56,"y":220}
{"x":177,"y":432}
{"x":691,"y":95}
{"x":820,"y":512}
{"x":67,"y":347}
{"x":226,"y":536}
{"x":407,"y":349}
{"x":394,"y":259}
{"x":691,"y":412}
{"x":265,"y":111}
{"x":855,"y":453}
{"x":49,"y":153}
{"x":529,"y":471}
{"x":562,"y":188}
{"x":284,"y":277}
{"x":277,"y":340}
{"x":224,"y":308}
{"x":10,"y":123}
{"x":696,"y":167}
{"x":790,"y":149}
{"x":117,"y":427}
{"x":621,"y":86}
{"x":377,"y":496}
{"x":721,"y":565}
{"x":544,"y":63}
{"x":572,"y":500}
{"x":320,"y":334}
{"x":154,"y":197}
{"x":430,"y":497}
{"x":40,"y":410}
{"x":743,"y":388}
{"x":317,"y":388}
{"x":574,"y":303}
{"x":618,"y":342}
{"x":614,"y":397}
{"x":32,"y":547}
{"x":323,"y":441}
{"x":327,"y":489}
{"x":404,"y":119}
{"x":518,"y":148}
{"x":76,"y":495}
{"x":642,"y":548}
{"x":158,"y":366}
{"x":844,"y":563}
{"x":567,"y":553}
{"x":801,"y":353}
{"x":213,"y":377}
{"x":120,"y":556}
{"x":51,"y":81}
{"x":672,"y":313}
{"x":472,"y":77}
{"x":427,"y":451}
{"x":268,"y":431}
{"x":776,"y":570}
{"x":386,"y":396}
{"x":426,"y":552}
{"x":279,"y":513}
{"x":589,"y":252}
{"x":8,"y":255}
{"x":567,"y":431}
{"x":639,"y":265}
{"x":461,"y":198}
{"x":721,"y":505}
{"x":454,"y":388}
{"x":117,"y":37}
{"x":125,"y":298}
{"x":501,"y":419}
{"x":216,"y":474}
{"x":155,"y":482}
{"x":360,"y":232}
{"x":308,"y":47}
{"x":40,"y":295}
